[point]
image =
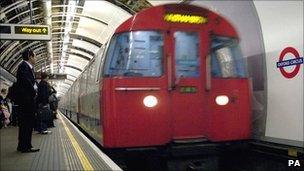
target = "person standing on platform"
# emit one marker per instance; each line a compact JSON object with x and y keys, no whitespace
{"x":53,"y":103}
{"x":12,"y":93}
{"x":4,"y":109}
{"x":27,"y":91}
{"x":43,"y":112}
{"x":2,"y":95}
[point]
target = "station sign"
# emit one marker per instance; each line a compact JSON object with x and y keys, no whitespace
{"x":54,"y":76}
{"x":296,"y":61}
{"x":57,"y":76}
{"x":42,"y":30}
{"x":24,"y":32}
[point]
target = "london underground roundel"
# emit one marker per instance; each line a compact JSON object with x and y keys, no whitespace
{"x":296,"y":61}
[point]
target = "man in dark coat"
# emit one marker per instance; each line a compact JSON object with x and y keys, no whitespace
{"x":27,"y":89}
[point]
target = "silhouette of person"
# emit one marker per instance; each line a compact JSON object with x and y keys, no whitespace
{"x":27,"y":91}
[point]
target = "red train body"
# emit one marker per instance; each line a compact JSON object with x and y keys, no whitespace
{"x":184,"y":62}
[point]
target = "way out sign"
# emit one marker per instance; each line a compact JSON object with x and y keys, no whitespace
{"x":25,"y":32}
{"x":295,"y":61}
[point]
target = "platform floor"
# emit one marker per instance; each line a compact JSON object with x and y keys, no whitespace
{"x":66,"y":148}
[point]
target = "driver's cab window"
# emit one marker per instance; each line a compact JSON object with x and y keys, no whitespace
{"x":226,"y":58}
{"x":135,"y":54}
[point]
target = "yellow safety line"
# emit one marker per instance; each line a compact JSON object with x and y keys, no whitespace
{"x":82,"y":157}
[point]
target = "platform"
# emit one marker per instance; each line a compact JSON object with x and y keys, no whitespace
{"x":66,"y":148}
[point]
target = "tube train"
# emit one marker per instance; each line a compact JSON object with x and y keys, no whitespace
{"x":170,"y":72}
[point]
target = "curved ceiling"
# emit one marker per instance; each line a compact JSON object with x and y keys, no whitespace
{"x":79,"y":28}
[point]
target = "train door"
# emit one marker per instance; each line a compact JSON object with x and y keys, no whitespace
{"x":186,"y":81}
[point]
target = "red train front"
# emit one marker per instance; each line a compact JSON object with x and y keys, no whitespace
{"x":173,"y":72}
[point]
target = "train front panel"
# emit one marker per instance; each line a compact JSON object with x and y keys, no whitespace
{"x":174,"y":72}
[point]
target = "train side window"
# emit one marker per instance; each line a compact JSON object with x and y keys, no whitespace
{"x":135,"y":54}
{"x":226,"y":58}
{"x":186,"y":54}
{"x":100,"y":60}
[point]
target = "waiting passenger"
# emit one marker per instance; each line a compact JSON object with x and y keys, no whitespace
{"x":12,"y":94}
{"x":2,"y":95}
{"x":4,"y":109}
{"x":44,"y":115}
{"x":27,"y":91}
{"x":53,"y":102}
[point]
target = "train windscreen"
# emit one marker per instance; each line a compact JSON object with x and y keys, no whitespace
{"x":186,"y":54}
{"x":226,"y":58}
{"x":135,"y":54}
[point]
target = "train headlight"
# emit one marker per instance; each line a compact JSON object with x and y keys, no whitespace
{"x":150,"y":101}
{"x":222,"y":100}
